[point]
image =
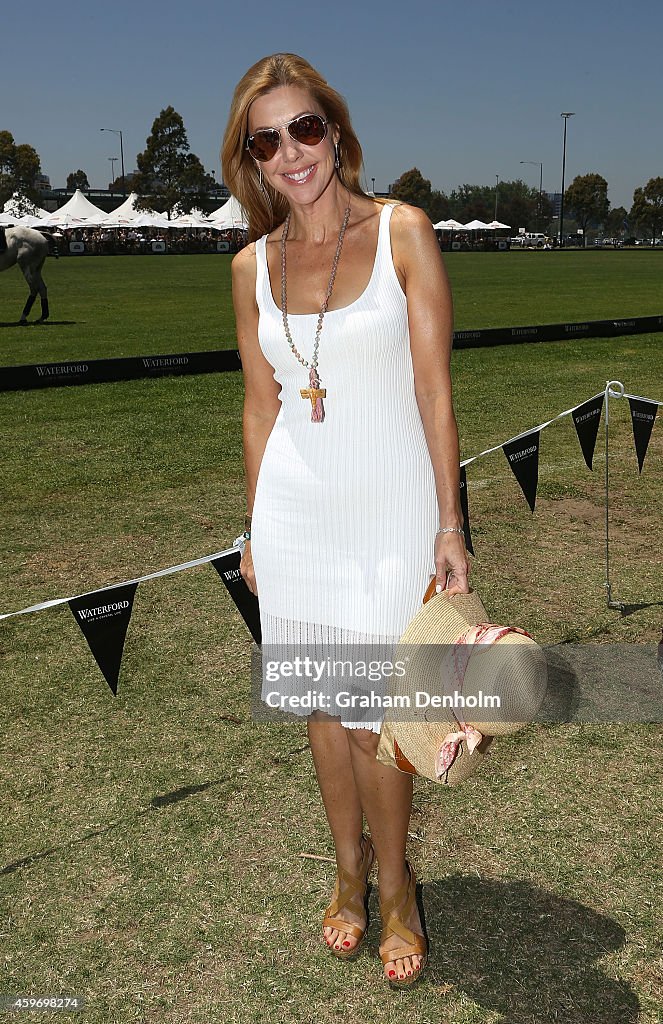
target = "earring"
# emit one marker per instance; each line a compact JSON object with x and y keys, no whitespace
{"x":337,"y":162}
{"x":260,"y":178}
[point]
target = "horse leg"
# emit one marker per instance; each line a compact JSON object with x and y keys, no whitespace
{"x":38,"y":286}
{"x":32,"y":285}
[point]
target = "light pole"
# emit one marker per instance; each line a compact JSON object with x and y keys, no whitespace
{"x":561,"y":201}
{"x":116,"y":131}
{"x":113,"y":161}
{"x":497,"y":181}
{"x":537,"y":163}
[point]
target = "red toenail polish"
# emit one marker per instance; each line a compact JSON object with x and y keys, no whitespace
{"x":409,"y":973}
{"x":346,"y":943}
{"x":392,"y":974}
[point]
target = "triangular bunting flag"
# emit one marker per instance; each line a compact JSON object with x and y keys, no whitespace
{"x":465,"y":510}
{"x":523,"y":457}
{"x":643,"y":414}
{"x":104,"y":619}
{"x":227,"y":567}
{"x":586,"y":418}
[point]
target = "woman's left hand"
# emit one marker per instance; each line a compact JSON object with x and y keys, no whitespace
{"x":452,"y":564}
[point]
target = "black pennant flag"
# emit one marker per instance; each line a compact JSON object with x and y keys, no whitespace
{"x":586,"y":418}
{"x":465,"y":510}
{"x":227,"y":567}
{"x":104,"y":619}
{"x":523,"y":457}
{"x":643,"y":414}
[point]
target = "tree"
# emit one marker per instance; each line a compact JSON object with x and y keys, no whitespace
{"x":78,"y":179}
{"x":587,"y":198}
{"x":19,"y":167}
{"x":168,"y":174}
{"x":616,"y":222}
{"x":416,"y":190}
{"x":647,"y":209}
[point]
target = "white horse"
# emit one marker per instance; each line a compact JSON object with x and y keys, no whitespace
{"x":29,"y":248}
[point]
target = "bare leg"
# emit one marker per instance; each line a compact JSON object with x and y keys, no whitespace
{"x":386,"y":798}
{"x":352,"y":780}
{"x":333,"y":767}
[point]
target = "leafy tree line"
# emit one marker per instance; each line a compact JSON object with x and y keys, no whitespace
{"x":585,"y":200}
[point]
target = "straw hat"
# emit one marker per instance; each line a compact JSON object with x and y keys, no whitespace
{"x":458,"y":666}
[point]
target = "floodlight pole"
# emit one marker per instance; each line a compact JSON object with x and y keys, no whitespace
{"x":537,"y":163}
{"x":116,"y":131}
{"x":614,"y":389}
{"x":497,"y":181}
{"x":561,"y":201}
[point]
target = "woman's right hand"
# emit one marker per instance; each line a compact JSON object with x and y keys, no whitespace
{"x":246,"y":568}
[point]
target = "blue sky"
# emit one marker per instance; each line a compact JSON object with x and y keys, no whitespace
{"x":462,"y":90}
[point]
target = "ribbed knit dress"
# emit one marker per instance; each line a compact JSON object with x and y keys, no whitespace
{"x":345,"y":511}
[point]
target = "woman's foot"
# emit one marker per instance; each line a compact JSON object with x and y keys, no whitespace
{"x":402,"y":933}
{"x":345,"y":921}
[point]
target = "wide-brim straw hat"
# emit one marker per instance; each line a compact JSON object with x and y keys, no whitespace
{"x":442,"y":661}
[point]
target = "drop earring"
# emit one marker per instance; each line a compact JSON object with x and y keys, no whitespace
{"x":337,"y":162}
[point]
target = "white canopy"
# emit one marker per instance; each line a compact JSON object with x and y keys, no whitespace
{"x":150,"y":219}
{"x":7,"y":220}
{"x":20,"y":206}
{"x":124,"y":213}
{"x":78,"y":210}
{"x":475,"y":225}
{"x":230,"y":215}
{"x":495,"y":225}
{"x":448,"y":225}
{"x":195,"y":219}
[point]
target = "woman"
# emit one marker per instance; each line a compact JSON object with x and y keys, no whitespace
{"x":351,"y":447}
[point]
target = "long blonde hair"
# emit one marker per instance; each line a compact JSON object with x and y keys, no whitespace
{"x":264,"y":206}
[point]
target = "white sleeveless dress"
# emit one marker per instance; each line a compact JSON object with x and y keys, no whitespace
{"x":345,"y":511}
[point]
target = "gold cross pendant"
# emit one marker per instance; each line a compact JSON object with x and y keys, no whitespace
{"x":316,"y":394}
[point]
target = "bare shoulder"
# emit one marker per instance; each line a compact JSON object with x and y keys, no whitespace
{"x":244,"y":262}
{"x":414,"y":244}
{"x":409,"y":223}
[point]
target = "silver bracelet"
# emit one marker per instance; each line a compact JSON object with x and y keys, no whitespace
{"x":452,"y":529}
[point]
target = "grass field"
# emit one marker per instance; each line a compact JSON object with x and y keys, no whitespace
{"x":152,"y":843}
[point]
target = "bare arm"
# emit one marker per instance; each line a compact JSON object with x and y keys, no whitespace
{"x":430,"y":317}
{"x":261,"y":403}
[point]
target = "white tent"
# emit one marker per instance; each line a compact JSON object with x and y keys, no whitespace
{"x":7,"y":220}
{"x":20,"y":206}
{"x":474,"y":225}
{"x":123,"y":214}
{"x":150,"y":219}
{"x":79,"y":211}
{"x":495,"y":225}
{"x":230,"y":215}
{"x":195,"y":219}
{"x":448,"y":225}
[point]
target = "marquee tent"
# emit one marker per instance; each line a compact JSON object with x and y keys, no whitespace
{"x":230,"y":215}
{"x":18,"y":206}
{"x":495,"y":225}
{"x":448,"y":225}
{"x":77,"y":211}
{"x":474,"y":225}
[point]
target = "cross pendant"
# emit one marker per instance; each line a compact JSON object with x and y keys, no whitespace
{"x":316,"y":394}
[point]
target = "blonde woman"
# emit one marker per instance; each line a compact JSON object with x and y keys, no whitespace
{"x":344,"y":327}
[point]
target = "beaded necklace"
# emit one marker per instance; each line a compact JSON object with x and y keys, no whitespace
{"x":314,"y":392}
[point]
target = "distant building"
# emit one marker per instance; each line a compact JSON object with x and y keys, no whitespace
{"x":42,"y":183}
{"x":555,"y":199}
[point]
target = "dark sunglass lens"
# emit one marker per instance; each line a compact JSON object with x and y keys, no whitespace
{"x":309,"y":129}
{"x":263,"y":145}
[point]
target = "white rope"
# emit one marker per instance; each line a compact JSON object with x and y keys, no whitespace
{"x":238,"y":542}
{"x":114,"y":586}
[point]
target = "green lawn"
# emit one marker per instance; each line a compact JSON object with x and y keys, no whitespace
{"x":152,"y":843}
{"x":128,"y":305}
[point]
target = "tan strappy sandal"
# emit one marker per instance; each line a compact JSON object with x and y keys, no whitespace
{"x":354,"y":897}
{"x":393,"y":911}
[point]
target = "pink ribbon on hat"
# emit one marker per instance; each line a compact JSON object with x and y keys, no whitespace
{"x":482,"y":633}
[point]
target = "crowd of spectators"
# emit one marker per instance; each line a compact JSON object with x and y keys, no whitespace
{"x":136,"y":241}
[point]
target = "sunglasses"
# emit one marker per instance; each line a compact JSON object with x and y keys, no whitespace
{"x":307,"y":129}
